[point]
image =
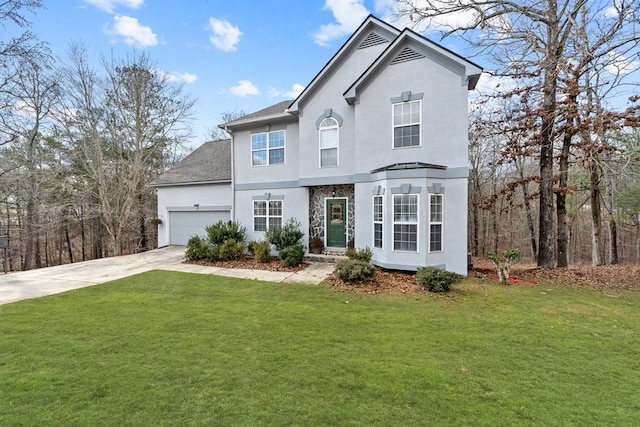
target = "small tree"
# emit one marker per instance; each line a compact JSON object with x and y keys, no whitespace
{"x":509,"y":256}
{"x":288,"y":235}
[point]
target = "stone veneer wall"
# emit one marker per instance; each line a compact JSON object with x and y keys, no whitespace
{"x":317,"y":208}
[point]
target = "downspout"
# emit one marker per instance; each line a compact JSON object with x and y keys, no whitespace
{"x":233,"y":176}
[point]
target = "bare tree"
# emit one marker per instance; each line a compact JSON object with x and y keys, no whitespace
{"x":218,"y":134}
{"x":531,"y":41}
{"x":13,"y":13}
{"x":34,"y":91}
{"x":122,"y":125}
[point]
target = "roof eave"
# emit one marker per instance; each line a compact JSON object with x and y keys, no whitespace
{"x":280,"y":117}
{"x":186,"y":183}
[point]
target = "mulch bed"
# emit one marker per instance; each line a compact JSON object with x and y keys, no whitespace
{"x":621,"y":276}
{"x":386,"y":281}
{"x":248,"y":262}
{"x":601,"y":277}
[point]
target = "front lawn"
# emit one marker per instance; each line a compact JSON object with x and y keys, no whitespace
{"x":169,"y":349}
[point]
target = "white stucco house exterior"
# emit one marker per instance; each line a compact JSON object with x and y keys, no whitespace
{"x":373,"y":151}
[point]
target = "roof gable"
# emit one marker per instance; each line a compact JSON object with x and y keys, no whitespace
{"x":372,"y":32}
{"x":409,"y":46}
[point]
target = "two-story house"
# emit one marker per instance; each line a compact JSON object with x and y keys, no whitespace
{"x":373,"y":151}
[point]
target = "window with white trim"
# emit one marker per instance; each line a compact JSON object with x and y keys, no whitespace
{"x":378,"y":218}
{"x":405,"y":222}
{"x":329,"y":138}
{"x":435,"y":222}
{"x":267,"y":214}
{"x":267,"y":148}
{"x":406,"y":124}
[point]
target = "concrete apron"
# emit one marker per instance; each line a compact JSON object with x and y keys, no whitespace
{"x":52,"y":280}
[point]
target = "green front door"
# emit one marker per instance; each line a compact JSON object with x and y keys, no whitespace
{"x":336,"y":223}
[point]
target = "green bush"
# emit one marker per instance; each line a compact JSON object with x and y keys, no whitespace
{"x":212,"y":252}
{"x":231,"y":249}
{"x":251,"y":247}
{"x":287,"y":235}
{"x":353,"y":270}
{"x":363,"y":254}
{"x":222,"y":231}
{"x":436,"y":279}
{"x":262,"y":251}
{"x":291,"y":256}
{"x":196,"y":248}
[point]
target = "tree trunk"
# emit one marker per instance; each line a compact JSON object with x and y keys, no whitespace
{"x":562,"y":241}
{"x":142,"y":224}
{"x":611,"y":220}
{"x":69,"y":245}
{"x":528,"y":213}
{"x":28,"y":238}
{"x":596,"y":214}
{"x":546,"y":248}
{"x":613,"y":238}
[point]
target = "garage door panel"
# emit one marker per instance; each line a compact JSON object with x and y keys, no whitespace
{"x":186,"y":224}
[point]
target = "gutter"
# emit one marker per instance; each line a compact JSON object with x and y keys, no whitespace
{"x":233,"y":174}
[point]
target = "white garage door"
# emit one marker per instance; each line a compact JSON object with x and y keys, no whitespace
{"x":185,"y":224}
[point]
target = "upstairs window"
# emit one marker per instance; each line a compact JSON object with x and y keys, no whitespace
{"x":267,"y":148}
{"x":406,"y":124}
{"x":328,"y":142}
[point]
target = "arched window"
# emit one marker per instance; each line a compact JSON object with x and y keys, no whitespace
{"x":329,"y":138}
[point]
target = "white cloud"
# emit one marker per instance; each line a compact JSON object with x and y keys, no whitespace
{"x":348,"y":14}
{"x":296,"y":90}
{"x":620,"y":64}
{"x":225,"y":36}
{"x":611,"y":12}
{"x":494,"y":85}
{"x":109,"y":5}
{"x":391,"y":10}
{"x":244,"y":88}
{"x":177,"y":77}
{"x":132,"y":32}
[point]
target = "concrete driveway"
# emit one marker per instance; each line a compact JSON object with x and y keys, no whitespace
{"x":52,"y":280}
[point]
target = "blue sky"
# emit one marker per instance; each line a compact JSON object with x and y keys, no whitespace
{"x":231,"y":54}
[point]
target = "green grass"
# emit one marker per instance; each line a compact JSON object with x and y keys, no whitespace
{"x":169,"y":349}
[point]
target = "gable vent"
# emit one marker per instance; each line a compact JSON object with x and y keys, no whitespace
{"x":407,"y":54}
{"x":371,"y":40}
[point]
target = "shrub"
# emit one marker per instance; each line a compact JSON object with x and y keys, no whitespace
{"x":222,"y":231}
{"x":196,"y":248}
{"x":291,"y":256}
{"x":436,"y":279}
{"x":363,"y":255}
{"x":262,"y":251}
{"x":353,"y":270}
{"x":287,"y":235}
{"x":251,"y":247}
{"x":231,"y":249}
{"x":212,"y":252}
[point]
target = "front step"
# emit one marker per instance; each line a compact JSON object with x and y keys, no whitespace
{"x":325,"y":257}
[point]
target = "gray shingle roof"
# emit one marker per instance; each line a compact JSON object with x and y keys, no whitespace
{"x":279,"y":108}
{"x":211,"y":162}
